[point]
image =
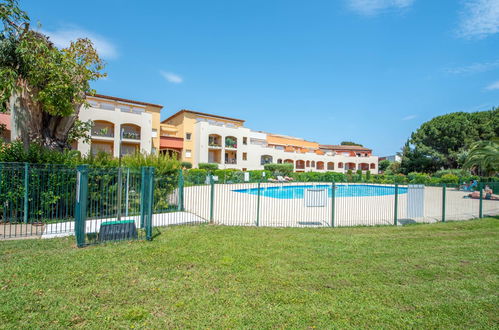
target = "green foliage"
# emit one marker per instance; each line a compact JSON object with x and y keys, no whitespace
{"x":368,"y":175}
{"x":350,"y":143}
{"x":418,"y":178}
{"x":442,"y":141}
{"x":383,"y":165}
{"x":186,"y":165}
{"x":195,"y":176}
{"x":484,"y":157}
{"x":449,"y":178}
{"x":208,"y":166}
{"x":35,"y":154}
{"x":47,"y":83}
{"x":80,"y":130}
{"x":279,"y":169}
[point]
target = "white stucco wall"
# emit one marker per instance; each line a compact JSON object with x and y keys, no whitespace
{"x":255,"y":151}
{"x":118,"y":118}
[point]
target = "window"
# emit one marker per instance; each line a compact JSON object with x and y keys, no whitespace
{"x":154,"y":133}
{"x":188,"y":153}
{"x":245,"y":156}
{"x":245,"y":140}
{"x":188,"y":136}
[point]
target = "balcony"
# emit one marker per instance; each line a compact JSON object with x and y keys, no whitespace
{"x":103,"y":129}
{"x":214,"y":141}
{"x":230,"y":157}
{"x":230,"y":142}
{"x":130,"y":132}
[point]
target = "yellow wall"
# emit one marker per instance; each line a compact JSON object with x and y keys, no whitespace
{"x":156,"y":121}
{"x":185,"y":122}
{"x":279,"y":140}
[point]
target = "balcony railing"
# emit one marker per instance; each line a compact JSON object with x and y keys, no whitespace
{"x":231,"y":161}
{"x":104,"y":132}
{"x":131,"y":135}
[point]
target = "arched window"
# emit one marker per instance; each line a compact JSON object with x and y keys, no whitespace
{"x":279,"y":161}
{"x":340,"y":165}
{"x":373,"y":166}
{"x":265,"y":159}
{"x":308,"y":163}
{"x":313,"y":163}
{"x":300,"y":165}
{"x":320,"y":165}
{"x":330,"y":166}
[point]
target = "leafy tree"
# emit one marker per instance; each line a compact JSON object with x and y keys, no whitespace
{"x":484,"y":157}
{"x":444,"y":141}
{"x":383,"y":165}
{"x":350,"y":143}
{"x":43,"y":86}
{"x":279,"y":169}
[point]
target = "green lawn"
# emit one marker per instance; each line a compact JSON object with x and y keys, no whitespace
{"x":440,"y":275}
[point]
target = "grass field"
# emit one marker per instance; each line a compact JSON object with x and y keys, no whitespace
{"x":439,"y":275}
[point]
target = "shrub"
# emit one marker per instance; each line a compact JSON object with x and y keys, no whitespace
{"x":418,"y":178}
{"x":279,"y":169}
{"x":229,"y":175}
{"x":368,"y":175}
{"x":186,"y":165}
{"x":257,"y":175}
{"x":449,"y":179}
{"x":208,"y":166}
{"x":195,"y":176}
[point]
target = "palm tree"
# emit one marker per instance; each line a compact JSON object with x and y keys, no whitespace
{"x":484,"y":156}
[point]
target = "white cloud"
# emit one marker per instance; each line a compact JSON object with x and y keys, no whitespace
{"x":480,"y":18}
{"x":373,"y":7}
{"x":63,"y":37}
{"x":493,"y":86}
{"x":474,"y":68}
{"x":172,"y":77}
{"x":410,"y":117}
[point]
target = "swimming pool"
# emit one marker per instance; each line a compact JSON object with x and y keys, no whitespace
{"x":342,"y":190}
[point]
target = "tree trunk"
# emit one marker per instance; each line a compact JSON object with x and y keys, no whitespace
{"x":32,"y":124}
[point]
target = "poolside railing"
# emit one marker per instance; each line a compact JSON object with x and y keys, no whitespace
{"x":54,"y":200}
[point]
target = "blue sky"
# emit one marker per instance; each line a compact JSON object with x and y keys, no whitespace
{"x":370,"y":71}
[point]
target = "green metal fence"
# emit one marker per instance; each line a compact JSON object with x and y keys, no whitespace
{"x":102,"y":204}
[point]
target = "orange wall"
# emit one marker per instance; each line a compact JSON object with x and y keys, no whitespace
{"x":273,"y":139}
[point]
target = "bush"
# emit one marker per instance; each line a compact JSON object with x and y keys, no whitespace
{"x":208,"y":166}
{"x":195,"y":176}
{"x":229,"y":175}
{"x":257,"y":175}
{"x":449,"y":179}
{"x":186,"y":165}
{"x":418,"y":178}
{"x":279,"y":169}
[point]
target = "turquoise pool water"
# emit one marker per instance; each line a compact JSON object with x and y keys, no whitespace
{"x":343,"y":190}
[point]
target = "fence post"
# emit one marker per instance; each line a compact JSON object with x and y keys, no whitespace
{"x":26,"y":191}
{"x":444,"y":191}
{"x":81,"y":204}
{"x":181,"y":191}
{"x":396,"y":206}
{"x":258,"y":206}
{"x":333,"y":194}
{"x":127,"y":190}
{"x":150,"y":198}
{"x":212,"y":197}
{"x":480,"y":207}
{"x":143,"y":189}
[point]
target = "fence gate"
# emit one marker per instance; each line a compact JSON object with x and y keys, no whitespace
{"x":113,"y":204}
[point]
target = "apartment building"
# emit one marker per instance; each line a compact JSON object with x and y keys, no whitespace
{"x":121,"y":124}
{"x":199,"y":137}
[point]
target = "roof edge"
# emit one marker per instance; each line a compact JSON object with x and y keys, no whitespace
{"x":201,"y":114}
{"x":119,"y":99}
